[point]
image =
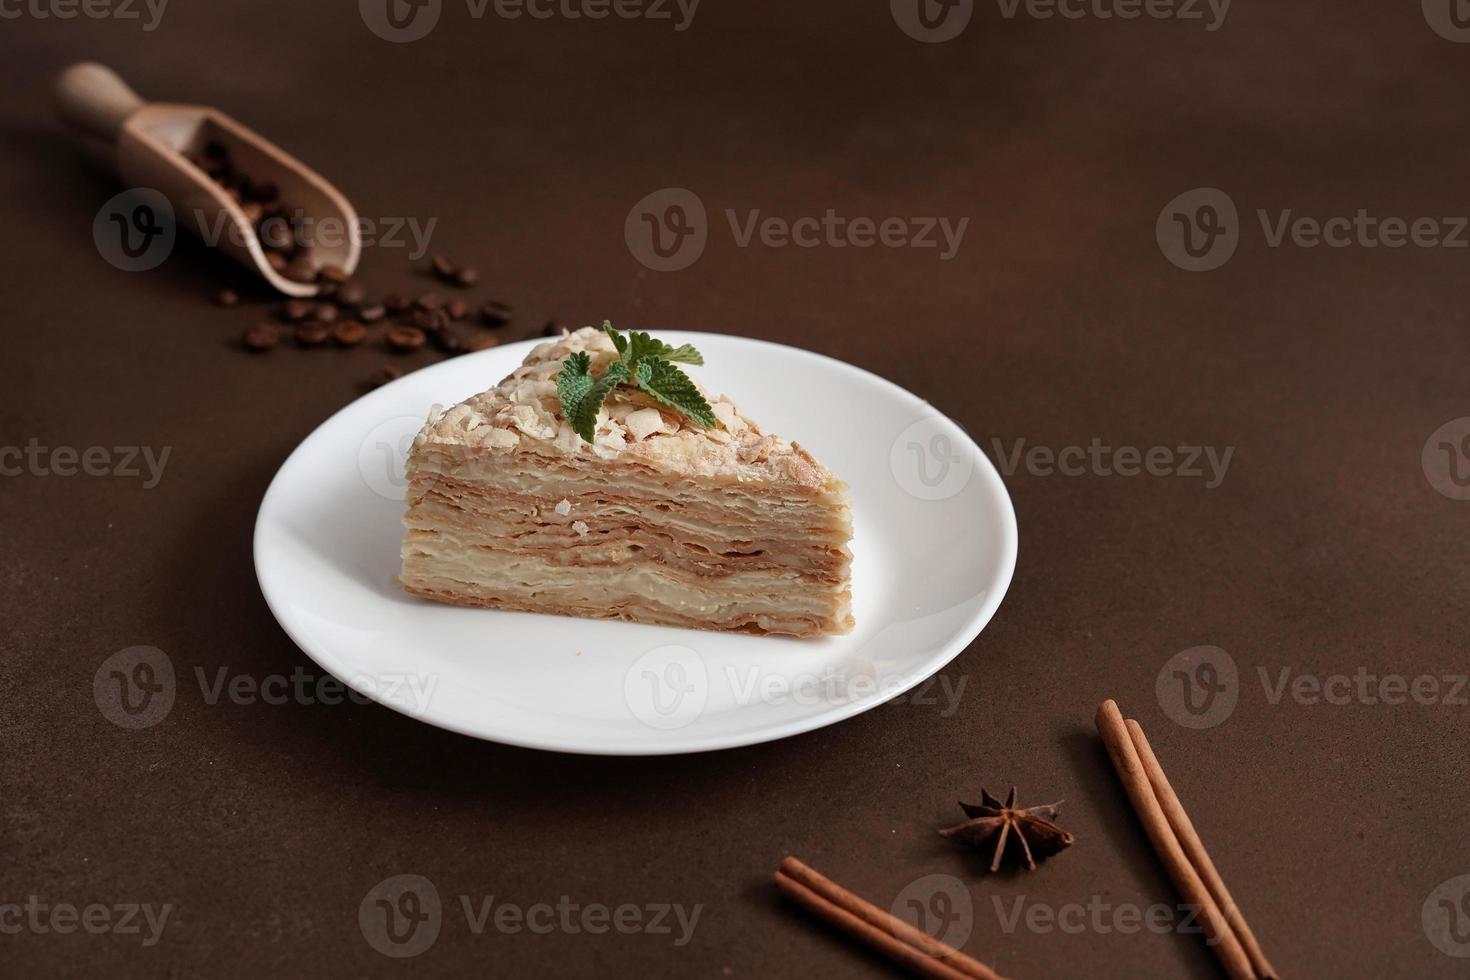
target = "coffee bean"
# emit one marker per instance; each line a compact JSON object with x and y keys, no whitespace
{"x":351,"y":292}
{"x":429,"y":301}
{"x":261,"y":337}
{"x":226,"y":297}
{"x":301,"y":269}
{"x":457,"y":309}
{"x":372,"y":314}
{"x":254,"y":212}
{"x":406,"y":338}
{"x":275,"y":234}
{"x":325,"y":312}
{"x":276,"y":261}
{"x":442,"y":267}
{"x":349,"y":333}
{"x":466,"y":277}
{"x":430,"y":320}
{"x":494,"y":314}
{"x":483,"y":341}
{"x":397,"y":302}
{"x":333,"y":273}
{"x":312,"y":333}
{"x":383,"y":375}
{"x":448,"y":340}
{"x":296,"y":310}
{"x":551,"y":329}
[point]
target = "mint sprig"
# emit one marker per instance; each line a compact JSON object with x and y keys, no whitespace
{"x":642,"y":362}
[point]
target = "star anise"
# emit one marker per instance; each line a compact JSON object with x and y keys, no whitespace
{"x":1032,"y":826}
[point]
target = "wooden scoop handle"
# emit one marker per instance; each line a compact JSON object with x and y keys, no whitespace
{"x":94,"y":99}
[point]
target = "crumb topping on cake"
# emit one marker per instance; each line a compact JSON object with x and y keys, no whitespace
{"x":523,"y":414}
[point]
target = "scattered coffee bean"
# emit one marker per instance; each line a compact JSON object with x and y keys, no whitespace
{"x":465,"y":278}
{"x":333,"y":273}
{"x":406,"y":338}
{"x":300,"y":269}
{"x":226,"y":297}
{"x":483,"y":341}
{"x":261,"y":336}
{"x":429,"y":301}
{"x":349,"y":333}
{"x":351,"y":292}
{"x":312,"y":333}
{"x":448,"y":340}
{"x":430,"y":320}
{"x":551,"y":329}
{"x":383,"y":375}
{"x":372,"y":314}
{"x":397,"y":302}
{"x":495,"y":314}
{"x":442,"y":267}
{"x":325,"y":312}
{"x":296,"y":310}
{"x":457,"y":309}
{"x":276,"y":261}
{"x":275,"y":234}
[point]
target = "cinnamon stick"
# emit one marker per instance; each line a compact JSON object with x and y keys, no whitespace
{"x":1195,"y":849}
{"x":1221,"y":937}
{"x":886,"y":923}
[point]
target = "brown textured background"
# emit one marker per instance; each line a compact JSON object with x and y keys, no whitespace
{"x":1325,"y":549}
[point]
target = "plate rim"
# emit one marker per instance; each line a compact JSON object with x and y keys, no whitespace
{"x":984,"y":469}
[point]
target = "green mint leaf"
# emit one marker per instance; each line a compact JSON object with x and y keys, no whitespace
{"x":641,"y":346}
{"x":619,"y":341}
{"x":583,"y":417}
{"x":574,"y":381}
{"x":581,"y":396}
{"x":684,"y":354}
{"x":674,"y":388}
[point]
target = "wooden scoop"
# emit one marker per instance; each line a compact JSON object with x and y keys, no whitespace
{"x":152,"y":141}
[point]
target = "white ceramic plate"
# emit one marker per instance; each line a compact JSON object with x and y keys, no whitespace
{"x":934,"y":547}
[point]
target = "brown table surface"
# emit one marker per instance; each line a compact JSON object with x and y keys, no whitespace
{"x":1325,"y":550}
